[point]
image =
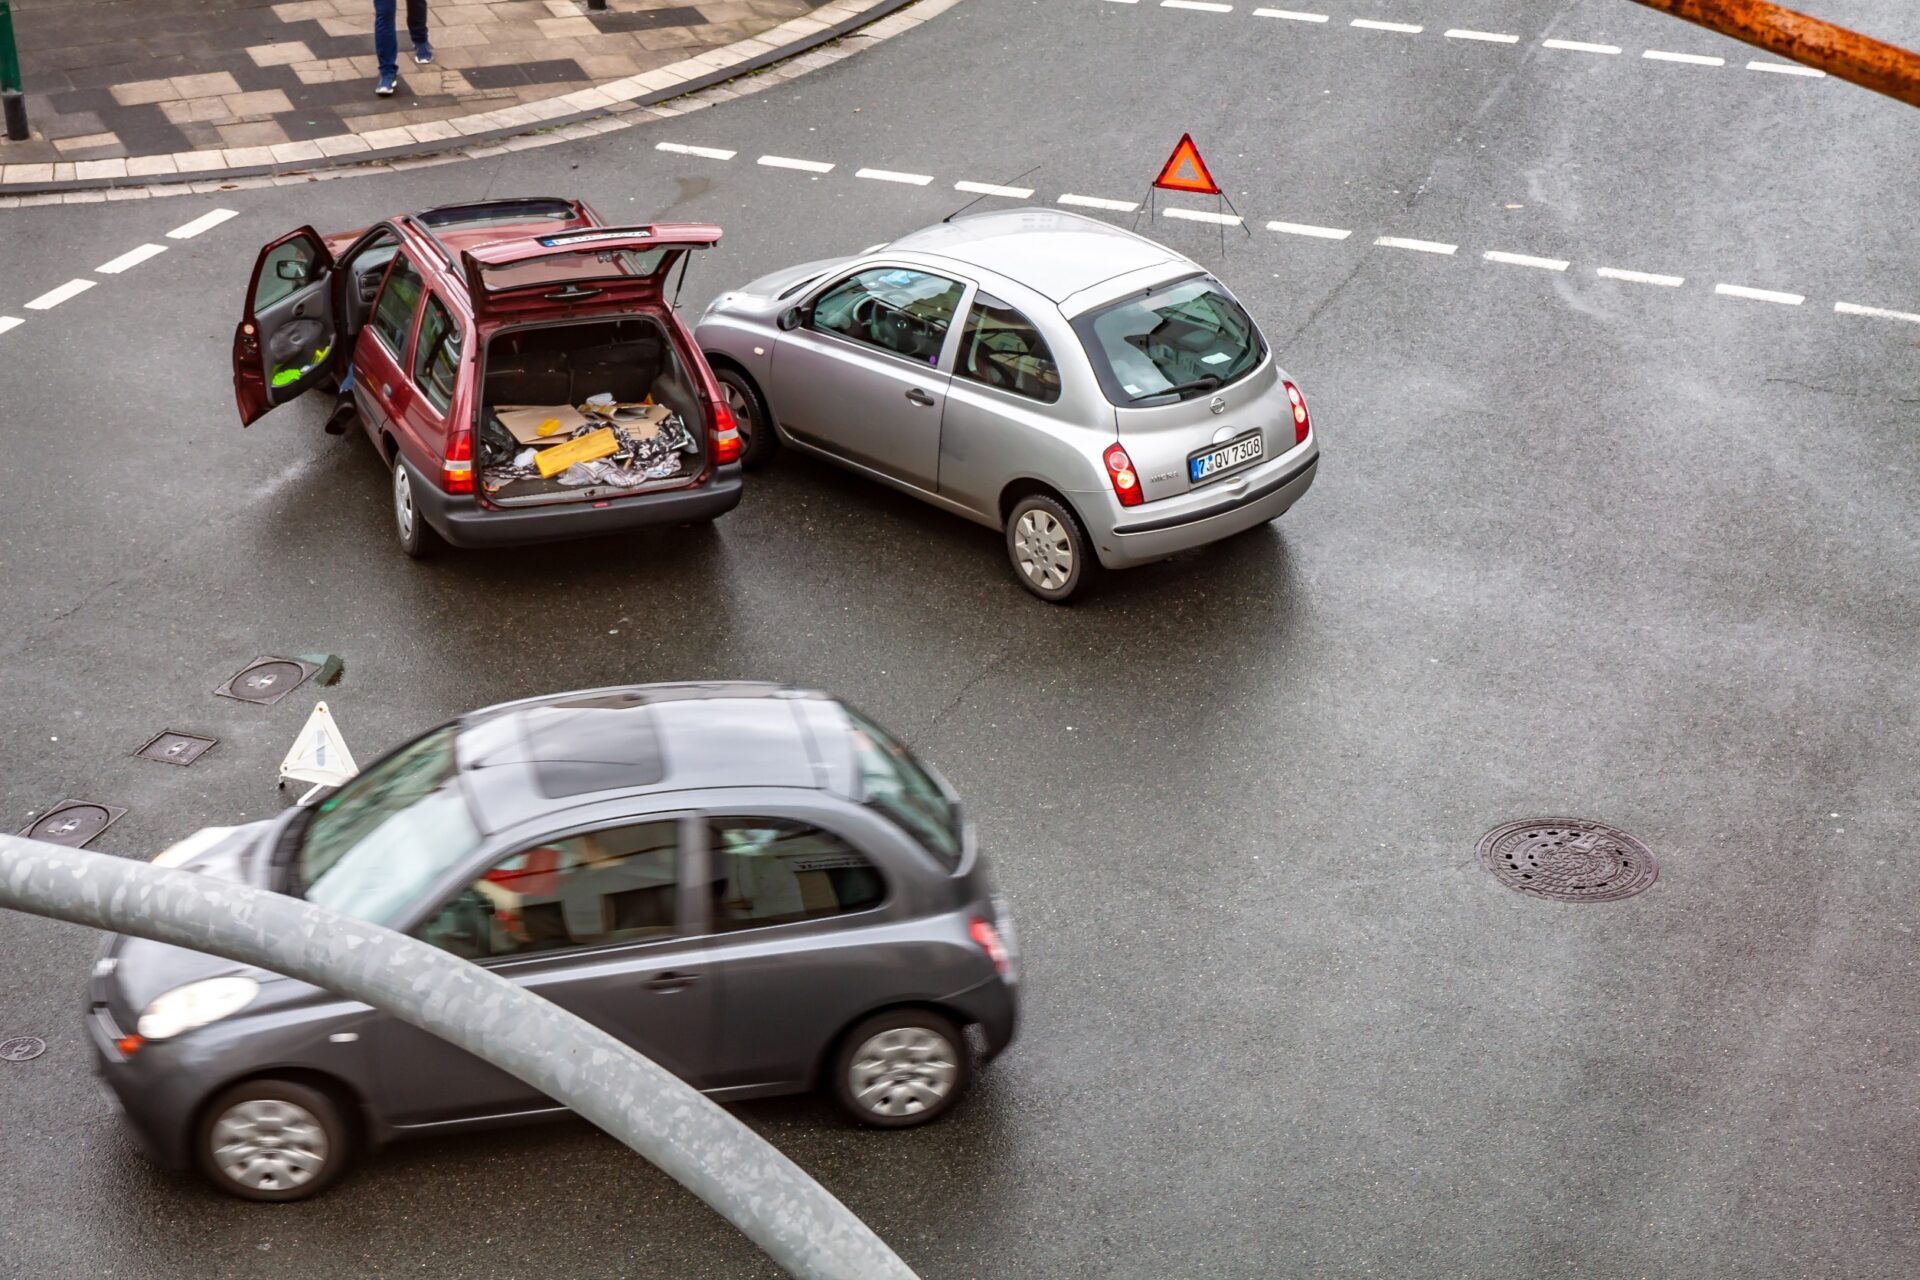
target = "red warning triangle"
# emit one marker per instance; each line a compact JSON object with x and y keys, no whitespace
{"x":1186,"y":171}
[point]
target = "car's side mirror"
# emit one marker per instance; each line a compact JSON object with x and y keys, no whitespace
{"x":790,"y":318}
{"x":289,"y":269}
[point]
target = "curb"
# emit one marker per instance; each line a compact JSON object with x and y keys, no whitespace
{"x":588,"y":106}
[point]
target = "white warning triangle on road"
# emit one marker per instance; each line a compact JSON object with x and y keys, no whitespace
{"x":319,"y":754}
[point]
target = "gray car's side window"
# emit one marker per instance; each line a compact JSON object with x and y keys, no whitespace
{"x":775,"y":871}
{"x":896,"y":309}
{"x":601,"y":887}
{"x":1002,"y":348}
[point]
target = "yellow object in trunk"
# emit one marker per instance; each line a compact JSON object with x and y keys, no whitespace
{"x":557,"y":458}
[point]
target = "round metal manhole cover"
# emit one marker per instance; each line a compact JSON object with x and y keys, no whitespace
{"x":72,"y":822}
{"x":22,"y":1049}
{"x":1568,"y":860}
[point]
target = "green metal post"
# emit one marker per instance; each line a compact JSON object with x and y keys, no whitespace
{"x":11,"y":99}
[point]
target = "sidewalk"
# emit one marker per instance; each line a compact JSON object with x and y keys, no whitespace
{"x":162,"y":85}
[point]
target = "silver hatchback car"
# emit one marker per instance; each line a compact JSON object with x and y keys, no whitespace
{"x":1097,"y":396}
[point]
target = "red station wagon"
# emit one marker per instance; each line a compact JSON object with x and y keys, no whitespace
{"x":515,"y":362}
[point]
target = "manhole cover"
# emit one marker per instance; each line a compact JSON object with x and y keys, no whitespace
{"x":174,"y":747}
{"x":1568,"y":860}
{"x":22,"y":1049}
{"x":72,"y":822}
{"x":267,"y":680}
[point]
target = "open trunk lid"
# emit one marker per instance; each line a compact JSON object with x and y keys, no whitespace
{"x":597,"y":265}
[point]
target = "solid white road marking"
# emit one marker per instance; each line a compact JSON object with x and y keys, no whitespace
{"x":1370,"y":24}
{"x":1786,"y":69}
{"x":1095,"y":202}
{"x":1291,"y":15}
{"x":1581,"y":46}
{"x":707,"y":153}
{"x":1494,"y":37}
{"x":10,"y":322}
{"x":1418,"y":246}
{"x":205,"y":222}
{"x":1760,"y":295}
{"x":805,"y":166}
{"x":990,"y":189}
{"x":894,"y":175}
{"x":1308,"y":229}
{"x":1522,"y":260}
{"x":131,"y":258}
{"x":1698,"y":59}
{"x":1844,"y":308}
{"x":1126,"y":1}
{"x":1640,"y":277}
{"x":54,"y":297}
{"x":1202,"y":5}
{"x":1197,"y":215}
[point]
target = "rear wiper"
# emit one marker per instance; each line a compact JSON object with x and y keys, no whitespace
{"x":1205,"y":382}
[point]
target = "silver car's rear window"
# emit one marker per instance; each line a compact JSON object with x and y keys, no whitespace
{"x":1177,"y":340}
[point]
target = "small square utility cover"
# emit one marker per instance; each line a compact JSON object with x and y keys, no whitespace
{"x":267,"y":680}
{"x":170,"y":746}
{"x":72,"y":822}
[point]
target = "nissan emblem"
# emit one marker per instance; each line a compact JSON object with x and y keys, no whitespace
{"x":1217,"y":405}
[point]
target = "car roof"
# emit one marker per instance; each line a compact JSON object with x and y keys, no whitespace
{"x":521,"y":759}
{"x":1055,"y":253}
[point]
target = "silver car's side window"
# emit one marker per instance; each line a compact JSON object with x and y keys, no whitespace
{"x":1002,"y":348}
{"x":896,"y":309}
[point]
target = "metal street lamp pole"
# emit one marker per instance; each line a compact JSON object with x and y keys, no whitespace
{"x":12,"y":102}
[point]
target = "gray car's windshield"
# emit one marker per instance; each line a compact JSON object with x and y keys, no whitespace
{"x":894,"y":783}
{"x":1181,"y":339}
{"x":371,"y":847}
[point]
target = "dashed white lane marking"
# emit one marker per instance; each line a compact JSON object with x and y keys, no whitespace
{"x":1758,"y":295}
{"x":1418,"y":246}
{"x":894,"y":175}
{"x":1202,"y":5}
{"x":1095,"y":202}
{"x":1126,"y":1}
{"x":10,"y":322}
{"x":205,"y":222}
{"x":1580,"y":46}
{"x":1291,"y":15}
{"x":706,"y":153}
{"x":1491,"y":37}
{"x":1786,"y":69}
{"x":1843,"y":308}
{"x":1308,"y":229}
{"x":993,"y":189}
{"x":1524,"y":260}
{"x":1200,"y":215}
{"x":787,"y":162}
{"x":131,"y":258}
{"x":1639,"y":277}
{"x":1371,"y":24}
{"x":1697,"y":59}
{"x":54,"y":297}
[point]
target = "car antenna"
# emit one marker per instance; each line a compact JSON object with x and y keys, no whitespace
{"x":984,"y":194}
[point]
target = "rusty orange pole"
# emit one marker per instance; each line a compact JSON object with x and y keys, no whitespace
{"x":1869,"y":63}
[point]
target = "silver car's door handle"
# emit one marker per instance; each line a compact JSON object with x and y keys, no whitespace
{"x":919,"y":397}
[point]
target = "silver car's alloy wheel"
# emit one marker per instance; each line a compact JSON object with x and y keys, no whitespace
{"x":1044,"y":549}
{"x":903,"y":1071}
{"x":266,"y":1145}
{"x":403,"y":511}
{"x":742,"y":411}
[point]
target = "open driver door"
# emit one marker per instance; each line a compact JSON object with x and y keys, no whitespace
{"x":287,"y":341}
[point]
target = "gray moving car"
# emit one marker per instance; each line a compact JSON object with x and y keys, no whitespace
{"x":755,"y":886}
{"x":1094,"y":394}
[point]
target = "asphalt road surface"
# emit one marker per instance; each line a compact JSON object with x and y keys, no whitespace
{"x":1581,"y":544}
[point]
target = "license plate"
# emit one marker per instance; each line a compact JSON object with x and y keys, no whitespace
{"x":1201,"y":466}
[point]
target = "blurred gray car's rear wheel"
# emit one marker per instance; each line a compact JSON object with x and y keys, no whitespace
{"x":751,"y":417}
{"x":901,"y":1068}
{"x":1048,"y":547}
{"x":272,"y":1140}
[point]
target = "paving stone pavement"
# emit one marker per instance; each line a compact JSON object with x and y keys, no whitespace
{"x":145,"y":81}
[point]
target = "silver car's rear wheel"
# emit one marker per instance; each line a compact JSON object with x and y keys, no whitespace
{"x":901,"y":1069}
{"x":272,"y":1140}
{"x":751,"y":418}
{"x":1048,"y":547}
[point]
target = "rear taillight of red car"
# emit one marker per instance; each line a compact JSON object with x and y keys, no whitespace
{"x":1126,"y":484}
{"x":723,"y":442}
{"x":1302,"y":425}
{"x":987,"y":938}
{"x":456,"y":472}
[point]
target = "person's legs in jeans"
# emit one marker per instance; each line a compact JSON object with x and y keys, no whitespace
{"x":385,"y":45}
{"x":417,"y":26}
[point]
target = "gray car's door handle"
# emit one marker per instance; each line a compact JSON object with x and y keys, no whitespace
{"x":672,"y":981}
{"x":919,"y":397}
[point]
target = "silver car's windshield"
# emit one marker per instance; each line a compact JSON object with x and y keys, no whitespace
{"x":1181,"y":339}
{"x":371,"y":847}
{"x":894,"y":783}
